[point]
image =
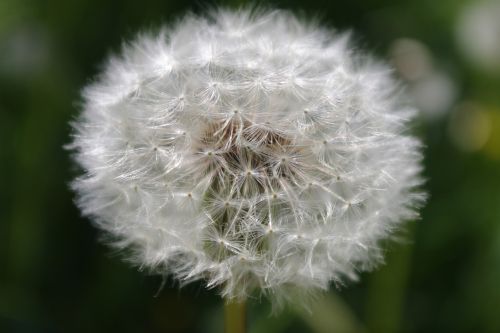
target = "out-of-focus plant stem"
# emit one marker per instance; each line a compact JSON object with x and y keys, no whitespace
{"x":234,"y":317}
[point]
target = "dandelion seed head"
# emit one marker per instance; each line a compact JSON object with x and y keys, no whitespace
{"x":249,"y":150}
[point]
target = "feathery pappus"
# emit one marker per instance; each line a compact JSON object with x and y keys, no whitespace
{"x":250,"y":150}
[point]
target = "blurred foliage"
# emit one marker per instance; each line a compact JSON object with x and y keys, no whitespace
{"x":56,"y":277}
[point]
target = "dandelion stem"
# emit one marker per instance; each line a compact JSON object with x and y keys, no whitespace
{"x":234,"y":317}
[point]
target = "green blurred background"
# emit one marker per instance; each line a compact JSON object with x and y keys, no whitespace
{"x":444,"y":276}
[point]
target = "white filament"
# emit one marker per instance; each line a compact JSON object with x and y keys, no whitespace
{"x":247,"y":149}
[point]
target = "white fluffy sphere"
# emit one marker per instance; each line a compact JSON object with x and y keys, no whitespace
{"x":249,"y":150}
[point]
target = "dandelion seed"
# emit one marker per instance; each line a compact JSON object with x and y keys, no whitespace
{"x":266,"y":153}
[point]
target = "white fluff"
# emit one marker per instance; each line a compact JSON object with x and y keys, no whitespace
{"x":247,"y":149}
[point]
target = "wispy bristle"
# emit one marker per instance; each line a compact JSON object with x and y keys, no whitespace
{"x":250,"y":150}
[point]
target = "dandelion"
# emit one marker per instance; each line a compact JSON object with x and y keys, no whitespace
{"x":249,"y":150}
